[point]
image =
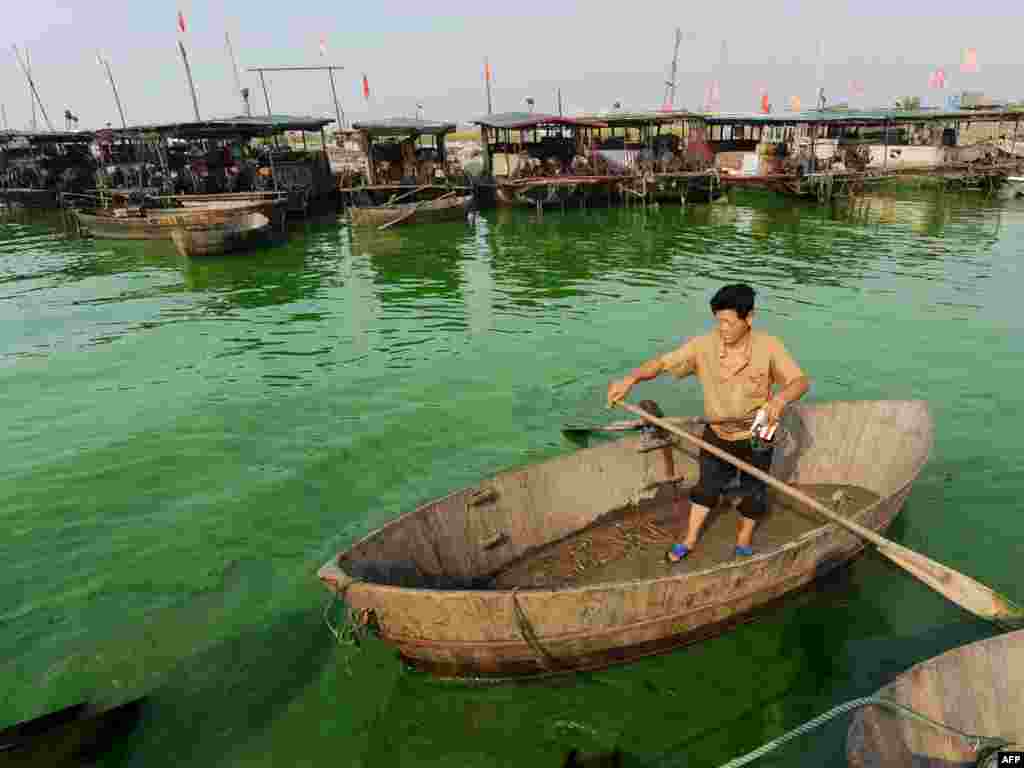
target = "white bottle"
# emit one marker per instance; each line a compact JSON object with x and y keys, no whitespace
{"x":760,"y":426}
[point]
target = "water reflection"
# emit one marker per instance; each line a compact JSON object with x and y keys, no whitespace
{"x":391,"y":289}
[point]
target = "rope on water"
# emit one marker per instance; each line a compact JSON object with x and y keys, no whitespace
{"x":976,"y":742}
{"x":545,"y":657}
{"x":351,"y":630}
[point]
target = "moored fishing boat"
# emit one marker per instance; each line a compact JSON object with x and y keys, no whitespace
{"x":141,"y":223}
{"x":560,"y":566}
{"x":444,"y":208}
{"x":977,"y":689}
{"x":221,"y":234}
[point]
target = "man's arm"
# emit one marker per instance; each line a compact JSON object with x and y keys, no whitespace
{"x":680,"y":362}
{"x":649,"y":370}
{"x":797,"y":383}
{"x":618,"y":390}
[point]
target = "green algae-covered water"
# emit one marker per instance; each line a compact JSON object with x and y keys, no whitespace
{"x":184,"y":443}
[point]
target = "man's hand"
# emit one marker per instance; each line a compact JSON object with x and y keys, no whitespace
{"x":618,"y":390}
{"x":773,"y":410}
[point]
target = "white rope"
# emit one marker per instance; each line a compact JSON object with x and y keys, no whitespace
{"x":976,"y":742}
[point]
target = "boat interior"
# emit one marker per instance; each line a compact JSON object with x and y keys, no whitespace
{"x":610,"y":512}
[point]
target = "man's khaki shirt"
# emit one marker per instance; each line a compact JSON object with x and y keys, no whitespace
{"x":736,"y":381}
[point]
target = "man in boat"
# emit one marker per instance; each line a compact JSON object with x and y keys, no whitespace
{"x":737,"y":368}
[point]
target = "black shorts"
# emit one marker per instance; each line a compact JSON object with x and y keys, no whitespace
{"x":715,"y":474}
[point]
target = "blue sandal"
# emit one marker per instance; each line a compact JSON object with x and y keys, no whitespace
{"x":677,"y":553}
{"x":744,"y":551}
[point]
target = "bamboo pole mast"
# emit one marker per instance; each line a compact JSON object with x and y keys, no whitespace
{"x":487,"y":77}
{"x":191,"y":85}
{"x":242,"y":92}
{"x":32,"y":85}
{"x":337,"y":104}
{"x":110,"y":79}
{"x":670,"y":85}
{"x":31,"y":101}
{"x":330,"y":70}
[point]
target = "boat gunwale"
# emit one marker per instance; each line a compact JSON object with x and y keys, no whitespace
{"x":423,"y":205}
{"x":958,"y":661}
{"x":828,"y":528}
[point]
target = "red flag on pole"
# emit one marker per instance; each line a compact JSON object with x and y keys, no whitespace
{"x":181,"y":21}
{"x":765,"y":106}
{"x":366,"y":87}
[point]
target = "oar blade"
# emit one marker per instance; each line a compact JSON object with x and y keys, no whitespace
{"x":973,"y":596}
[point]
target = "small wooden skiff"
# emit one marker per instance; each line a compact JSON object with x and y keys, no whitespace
{"x":560,"y":565}
{"x":158,"y":223}
{"x":977,"y":689}
{"x":441,"y":209}
{"x":212,"y":238}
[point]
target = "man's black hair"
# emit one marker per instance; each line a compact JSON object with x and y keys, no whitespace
{"x":738,"y":297}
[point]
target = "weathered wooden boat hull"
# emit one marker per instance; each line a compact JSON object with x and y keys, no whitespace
{"x":73,"y":736}
{"x":557,"y":191}
{"x":158,"y":224}
{"x":695,"y":189}
{"x":443,"y":621}
{"x":977,"y":688}
{"x":29,"y":198}
{"x":448,"y":209}
{"x":1012,"y":187}
{"x":236,"y":233}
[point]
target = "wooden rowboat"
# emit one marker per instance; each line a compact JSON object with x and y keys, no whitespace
{"x":158,"y":223}
{"x":212,"y":238}
{"x":446,"y":209}
{"x":74,"y":736}
{"x":977,"y":689}
{"x":560,"y":565}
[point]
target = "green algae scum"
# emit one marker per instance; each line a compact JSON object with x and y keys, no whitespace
{"x":185,"y":443}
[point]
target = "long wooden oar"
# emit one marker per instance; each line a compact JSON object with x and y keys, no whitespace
{"x":630,"y":425}
{"x":969,"y":594}
{"x":394,"y":199}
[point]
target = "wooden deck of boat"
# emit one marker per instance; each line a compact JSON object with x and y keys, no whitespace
{"x":632,"y":544}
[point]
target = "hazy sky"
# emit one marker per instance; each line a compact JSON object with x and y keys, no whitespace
{"x":433,"y":53}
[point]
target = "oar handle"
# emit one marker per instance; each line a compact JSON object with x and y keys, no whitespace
{"x":778,"y":485}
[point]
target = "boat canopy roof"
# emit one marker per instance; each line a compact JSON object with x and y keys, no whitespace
{"x":533,"y":120}
{"x":647,"y":117}
{"x":243,"y":125}
{"x":47,"y":137}
{"x":862,"y":117}
{"x":403,"y":126}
